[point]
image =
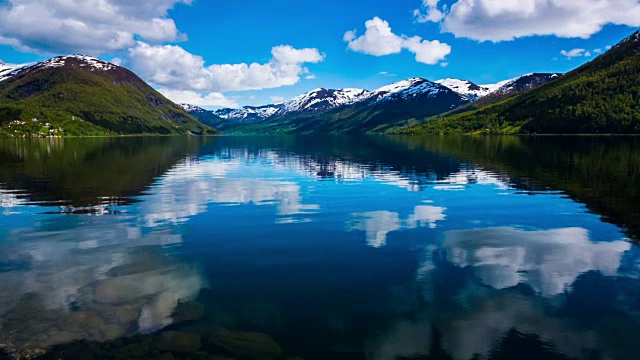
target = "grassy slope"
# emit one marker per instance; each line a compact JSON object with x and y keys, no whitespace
{"x":602,"y":96}
{"x":82,"y":102}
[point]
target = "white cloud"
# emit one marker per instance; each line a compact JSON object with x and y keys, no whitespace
{"x":427,"y":52}
{"x":492,"y":20}
{"x":172,"y":67}
{"x":379,"y":40}
{"x":213,"y":99}
{"x":597,"y":51}
{"x":574,"y":53}
{"x":87,"y":26}
{"x":431,"y":12}
{"x":310,"y":77}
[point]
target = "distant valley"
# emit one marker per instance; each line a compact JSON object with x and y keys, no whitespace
{"x":360,"y":111}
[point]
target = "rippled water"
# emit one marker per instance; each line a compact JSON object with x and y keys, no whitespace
{"x":320,"y":248}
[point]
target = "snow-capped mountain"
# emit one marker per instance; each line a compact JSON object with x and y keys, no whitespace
{"x":523,"y":83}
{"x":191,"y":108}
{"x":320,"y":100}
{"x":406,"y":90}
{"x":502,"y":88}
{"x":105,"y":99}
{"x":351,"y":109}
{"x":467,"y":88}
{"x":87,"y":62}
{"x":249,"y":113}
{"x":9,"y":70}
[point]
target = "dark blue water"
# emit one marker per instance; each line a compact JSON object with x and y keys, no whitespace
{"x":321,"y":248}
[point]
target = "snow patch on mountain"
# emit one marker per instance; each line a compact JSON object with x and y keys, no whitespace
{"x":527,"y":81}
{"x":94,"y":64}
{"x":324,"y":99}
{"x":467,"y":88}
{"x":8,"y":71}
{"x":406,"y":89}
{"x":191,"y":108}
{"x":398,"y":86}
{"x":474,"y":92}
{"x":248,"y":112}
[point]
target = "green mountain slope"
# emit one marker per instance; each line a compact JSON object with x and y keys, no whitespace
{"x":602,"y":96}
{"x":78,"y":95}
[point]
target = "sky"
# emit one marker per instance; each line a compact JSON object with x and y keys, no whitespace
{"x":230,"y":53}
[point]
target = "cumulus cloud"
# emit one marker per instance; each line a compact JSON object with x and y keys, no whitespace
{"x":172,"y":67}
{"x":429,"y":12}
{"x":379,"y":40}
{"x":87,"y":26}
{"x":491,"y":20}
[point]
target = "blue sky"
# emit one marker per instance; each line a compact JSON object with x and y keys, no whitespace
{"x":172,"y":43}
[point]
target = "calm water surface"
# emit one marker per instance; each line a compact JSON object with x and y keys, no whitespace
{"x":320,"y":248}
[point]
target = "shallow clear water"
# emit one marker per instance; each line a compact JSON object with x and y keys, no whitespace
{"x":320,"y":247}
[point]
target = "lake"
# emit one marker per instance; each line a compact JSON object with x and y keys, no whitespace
{"x":320,"y":248}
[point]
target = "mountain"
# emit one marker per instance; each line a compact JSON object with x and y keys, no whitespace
{"x":467,"y":88}
{"x":321,"y":100}
{"x":249,"y":114}
{"x":360,"y":111}
{"x":485,"y":95}
{"x":343,"y":110}
{"x":602,"y":96}
{"x":82,"y":95}
{"x":204,"y":116}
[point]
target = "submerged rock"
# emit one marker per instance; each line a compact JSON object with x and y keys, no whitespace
{"x":179,"y":341}
{"x":251,"y":345}
{"x":188,"y":311}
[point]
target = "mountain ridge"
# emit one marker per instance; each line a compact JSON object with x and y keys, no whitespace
{"x":83,"y":95}
{"x":599,"y":97}
{"x":322,"y":110}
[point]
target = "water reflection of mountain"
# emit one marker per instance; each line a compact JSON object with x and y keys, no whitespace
{"x":434,"y":279}
{"x":86,"y":172}
{"x":601,"y":172}
{"x":340,"y":157}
